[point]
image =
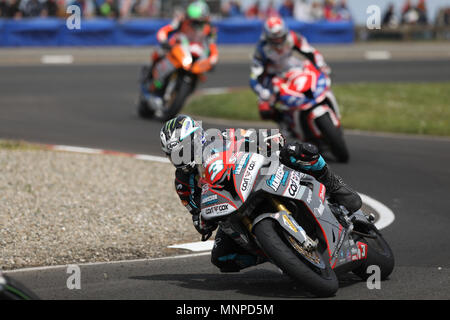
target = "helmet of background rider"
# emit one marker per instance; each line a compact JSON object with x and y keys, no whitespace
{"x":198,"y":14}
{"x":176,"y":136}
{"x":275,"y":31}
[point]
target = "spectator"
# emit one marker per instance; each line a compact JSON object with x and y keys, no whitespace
{"x":287,"y":9}
{"x":84,"y":7}
{"x":302,"y":11}
{"x":254,"y":10}
{"x":329,"y":10}
{"x":389,"y":18}
{"x":14,"y":9}
{"x":3,"y":8}
{"x":151,"y":9}
{"x":317,"y":11}
{"x":109,"y":9}
{"x":232,"y":9}
{"x":447,"y":17}
{"x":422,"y":11}
{"x":50,"y":8}
{"x":270,"y":11}
{"x":61,"y":8}
{"x":33,"y":8}
{"x":406,"y":12}
{"x":136,"y":8}
{"x":342,"y":11}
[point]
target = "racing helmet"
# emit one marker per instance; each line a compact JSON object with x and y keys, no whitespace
{"x":178,"y":134}
{"x":197,"y":13}
{"x":275,"y":31}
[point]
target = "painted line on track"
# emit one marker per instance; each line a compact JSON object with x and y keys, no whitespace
{"x":57,"y":59}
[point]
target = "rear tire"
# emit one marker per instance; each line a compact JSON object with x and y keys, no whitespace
{"x":334,"y":138}
{"x":284,"y":256}
{"x":379,"y":253}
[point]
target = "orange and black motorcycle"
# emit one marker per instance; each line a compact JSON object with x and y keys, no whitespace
{"x":167,"y":84}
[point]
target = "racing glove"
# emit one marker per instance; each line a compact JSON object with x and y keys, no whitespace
{"x":302,"y":156}
{"x":165,"y":45}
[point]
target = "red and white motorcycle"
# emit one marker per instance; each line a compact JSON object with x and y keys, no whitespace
{"x":309,"y":108}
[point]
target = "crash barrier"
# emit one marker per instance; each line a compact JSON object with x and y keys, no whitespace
{"x":137,"y":32}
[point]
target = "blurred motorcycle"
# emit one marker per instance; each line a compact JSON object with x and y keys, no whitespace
{"x":309,"y":109}
{"x":166,"y":86}
{"x":13,"y":290}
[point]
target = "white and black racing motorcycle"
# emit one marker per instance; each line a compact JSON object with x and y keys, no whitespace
{"x":286,"y":218}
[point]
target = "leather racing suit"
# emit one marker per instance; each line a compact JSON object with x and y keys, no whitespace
{"x":269,"y":61}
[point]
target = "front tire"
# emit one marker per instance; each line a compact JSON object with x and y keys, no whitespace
{"x":322,"y":284}
{"x":143,"y":110}
{"x":182,"y":92}
{"x":333,"y":137}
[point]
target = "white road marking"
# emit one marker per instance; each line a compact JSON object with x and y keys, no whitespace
{"x":191,"y":255}
{"x":76,"y":149}
{"x":377,"y":55}
{"x":195,"y":246}
{"x":386,"y":216}
{"x":146,"y":157}
{"x":57,"y":59}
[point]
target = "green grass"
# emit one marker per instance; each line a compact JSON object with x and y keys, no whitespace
{"x":18,"y":145}
{"x":415,"y":108}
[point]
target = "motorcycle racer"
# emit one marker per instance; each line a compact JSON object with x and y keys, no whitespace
{"x":195,"y":25}
{"x":226,"y":254}
{"x":274,"y":55}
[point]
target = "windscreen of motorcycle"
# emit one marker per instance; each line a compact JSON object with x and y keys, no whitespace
{"x":217,"y":201}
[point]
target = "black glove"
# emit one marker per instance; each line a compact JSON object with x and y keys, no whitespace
{"x":203,"y":227}
{"x":166,"y":46}
{"x":296,"y":154}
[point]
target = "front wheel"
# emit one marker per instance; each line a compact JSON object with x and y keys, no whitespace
{"x":13,"y":290}
{"x":333,"y":137}
{"x":181,"y":93}
{"x":311,"y":270}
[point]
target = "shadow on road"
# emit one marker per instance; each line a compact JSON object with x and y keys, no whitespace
{"x":257,"y":282}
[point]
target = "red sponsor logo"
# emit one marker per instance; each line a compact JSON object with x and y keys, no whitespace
{"x":362,"y":250}
{"x":322,"y":192}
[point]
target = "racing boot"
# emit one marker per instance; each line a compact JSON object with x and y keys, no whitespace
{"x":305,"y":157}
{"x":338,"y":191}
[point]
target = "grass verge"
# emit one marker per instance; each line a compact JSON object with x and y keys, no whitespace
{"x":18,"y":145}
{"x":414,"y":108}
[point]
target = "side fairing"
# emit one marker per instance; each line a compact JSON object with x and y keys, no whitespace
{"x":292,"y":184}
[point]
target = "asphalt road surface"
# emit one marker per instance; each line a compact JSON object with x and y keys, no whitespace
{"x":93,"y":107}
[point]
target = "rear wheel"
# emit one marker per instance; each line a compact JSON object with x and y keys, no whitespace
{"x":379,"y":254}
{"x":309,"y":269}
{"x":334,"y":137}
